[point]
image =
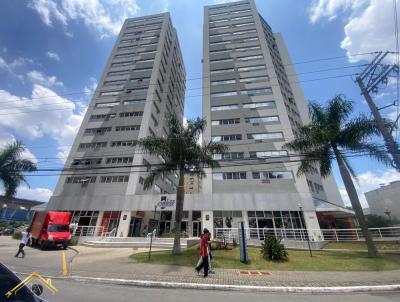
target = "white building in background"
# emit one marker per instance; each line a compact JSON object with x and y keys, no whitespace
{"x":385,"y":201}
{"x":249,"y":102}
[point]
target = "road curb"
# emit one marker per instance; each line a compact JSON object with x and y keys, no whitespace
{"x":282,"y":289}
{"x":222,"y":287}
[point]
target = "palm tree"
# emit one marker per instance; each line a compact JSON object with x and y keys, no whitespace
{"x":180,"y":151}
{"x":331,"y":134}
{"x":12,"y":167}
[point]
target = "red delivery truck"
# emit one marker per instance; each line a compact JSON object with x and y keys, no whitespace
{"x":50,"y":229}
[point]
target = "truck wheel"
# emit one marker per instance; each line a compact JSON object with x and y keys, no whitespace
{"x":65,"y":246}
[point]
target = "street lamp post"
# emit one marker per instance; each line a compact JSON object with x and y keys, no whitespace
{"x":308,"y":237}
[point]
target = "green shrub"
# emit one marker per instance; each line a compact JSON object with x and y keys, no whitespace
{"x":273,"y":249}
{"x":17,"y":235}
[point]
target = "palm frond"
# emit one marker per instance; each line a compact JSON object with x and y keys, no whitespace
{"x":156,"y":173}
{"x":338,"y":110}
{"x":357,"y":131}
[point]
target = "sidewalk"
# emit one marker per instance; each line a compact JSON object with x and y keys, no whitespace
{"x":115,"y":264}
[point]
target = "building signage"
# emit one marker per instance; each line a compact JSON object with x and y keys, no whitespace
{"x":166,"y":203}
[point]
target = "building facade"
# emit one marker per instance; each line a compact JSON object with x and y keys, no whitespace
{"x":144,"y":79}
{"x":253,"y":102}
{"x":385,"y":201}
{"x":192,"y":184}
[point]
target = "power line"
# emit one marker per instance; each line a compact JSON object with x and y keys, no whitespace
{"x":190,"y":96}
{"x":189,"y":89}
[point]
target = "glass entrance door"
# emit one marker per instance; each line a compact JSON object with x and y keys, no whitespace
{"x":134,"y":227}
{"x":196,"y":228}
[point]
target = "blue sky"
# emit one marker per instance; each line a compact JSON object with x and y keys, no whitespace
{"x":53,"y":52}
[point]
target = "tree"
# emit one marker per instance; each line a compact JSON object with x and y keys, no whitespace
{"x":180,"y":151}
{"x":13,"y":166}
{"x":330,"y":135}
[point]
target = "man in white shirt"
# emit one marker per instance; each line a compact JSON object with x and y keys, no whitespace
{"x":26,"y":236}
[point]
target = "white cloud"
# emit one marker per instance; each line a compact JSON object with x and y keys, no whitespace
{"x":90,"y":89}
{"x":14,"y":67}
{"x":6,"y":138}
{"x":45,"y":113}
{"x":369,"y":181}
{"x":53,"y":55}
{"x":38,"y":77}
{"x":39,"y":194}
{"x":106,"y":16}
{"x":330,"y":8}
{"x":369,"y":26}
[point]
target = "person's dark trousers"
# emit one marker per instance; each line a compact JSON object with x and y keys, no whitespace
{"x":203,"y":265}
{"x":21,"y":250}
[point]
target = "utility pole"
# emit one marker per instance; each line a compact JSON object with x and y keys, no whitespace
{"x":373,"y":75}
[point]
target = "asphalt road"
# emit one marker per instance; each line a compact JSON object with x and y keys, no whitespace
{"x":88,"y":292}
{"x":47,"y":262}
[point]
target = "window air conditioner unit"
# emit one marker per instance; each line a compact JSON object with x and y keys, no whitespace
{"x":258,"y":141}
{"x":265,"y":181}
{"x":256,"y":124}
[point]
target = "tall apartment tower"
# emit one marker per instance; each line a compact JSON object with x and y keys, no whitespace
{"x":143,"y":80}
{"x":252,"y":101}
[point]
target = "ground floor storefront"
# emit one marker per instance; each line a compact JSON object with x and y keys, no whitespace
{"x":141,"y":223}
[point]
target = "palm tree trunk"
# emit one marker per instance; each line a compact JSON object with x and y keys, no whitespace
{"x":180,"y":198}
{"x":355,"y":202}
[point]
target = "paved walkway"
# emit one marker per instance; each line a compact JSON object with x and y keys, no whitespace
{"x":114,"y":263}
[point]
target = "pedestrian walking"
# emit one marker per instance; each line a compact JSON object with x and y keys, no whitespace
{"x":73,"y":227}
{"x":204,"y":253}
{"x":26,"y":237}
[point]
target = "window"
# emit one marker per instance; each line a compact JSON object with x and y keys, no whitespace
{"x":133,"y":102}
{"x":250,"y":68}
{"x":229,"y":155}
{"x":222,"y":70}
{"x":86,"y":162}
{"x":92,"y":145}
{"x":248,"y":58}
{"x":118,"y":73}
{"x":128,"y":143}
{"x":244,"y":32}
{"x":254,"y":79}
{"x":141,"y":180}
{"x":220,"y":42}
{"x":248,"y":48}
{"x":219,"y":35}
{"x":227,"y":93}
{"x":100,"y":131}
{"x":137,"y":90}
{"x":262,"y":119}
{"x":118,"y":178}
{"x":273,"y":175}
{"x":142,"y":69}
{"x":221,"y":60}
{"x":80,"y":179}
{"x":127,"y":128}
{"x":241,"y":11}
{"x":215,"y":83}
{"x":220,"y":50}
{"x":219,"y":27}
{"x":107,"y":105}
{"x":102,"y":116}
{"x":240,"y":18}
{"x":224,"y":107}
{"x":144,"y":61}
{"x":251,"y":92}
{"x":259,"y":105}
{"x":119,"y":160}
{"x":131,"y":114}
{"x":125,"y":55}
{"x":226,"y":122}
{"x":229,"y":175}
{"x":110,"y":93}
{"x":270,"y":135}
{"x":265,"y":154}
{"x":121,"y":64}
{"x":243,"y":24}
{"x":229,"y":137}
{"x":114,"y":83}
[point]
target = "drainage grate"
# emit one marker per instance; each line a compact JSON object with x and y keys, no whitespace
{"x":254,"y":273}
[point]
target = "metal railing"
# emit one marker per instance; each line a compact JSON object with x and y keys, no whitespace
{"x":231,"y":234}
{"x":95,"y":231}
